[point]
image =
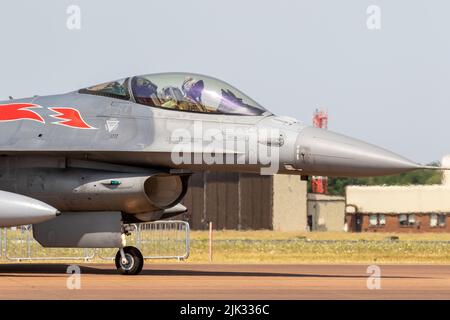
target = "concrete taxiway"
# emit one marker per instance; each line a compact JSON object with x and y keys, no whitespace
{"x":223,"y":281}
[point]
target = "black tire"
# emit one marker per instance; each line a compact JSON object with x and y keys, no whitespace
{"x":135,"y":259}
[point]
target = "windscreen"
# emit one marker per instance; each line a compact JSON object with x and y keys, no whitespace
{"x":114,"y":89}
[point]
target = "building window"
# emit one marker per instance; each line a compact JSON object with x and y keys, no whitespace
{"x":437,"y":220}
{"x":407,"y":219}
{"x":442,"y":220}
{"x":377,"y":220}
{"x":433,"y":220}
{"x":373,"y":220}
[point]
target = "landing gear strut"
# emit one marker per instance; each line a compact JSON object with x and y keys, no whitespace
{"x":129,"y":261}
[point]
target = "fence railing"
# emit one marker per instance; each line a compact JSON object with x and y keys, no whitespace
{"x":156,"y":240}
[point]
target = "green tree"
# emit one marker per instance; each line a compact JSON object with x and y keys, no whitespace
{"x":336,"y":186}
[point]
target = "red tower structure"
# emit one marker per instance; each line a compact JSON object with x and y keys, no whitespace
{"x":320,"y":120}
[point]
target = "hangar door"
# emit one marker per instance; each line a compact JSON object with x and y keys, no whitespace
{"x":230,"y":200}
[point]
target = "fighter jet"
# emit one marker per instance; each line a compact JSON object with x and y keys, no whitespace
{"x":84,"y":165}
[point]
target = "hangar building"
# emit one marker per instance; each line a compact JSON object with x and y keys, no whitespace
{"x":242,"y":201}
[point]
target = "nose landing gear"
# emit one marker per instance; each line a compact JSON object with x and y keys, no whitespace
{"x":129,"y":261}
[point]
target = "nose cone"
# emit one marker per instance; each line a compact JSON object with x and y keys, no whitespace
{"x":322,"y":152}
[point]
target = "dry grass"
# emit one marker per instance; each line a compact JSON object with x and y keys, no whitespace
{"x":320,"y":247}
{"x":276,"y":235}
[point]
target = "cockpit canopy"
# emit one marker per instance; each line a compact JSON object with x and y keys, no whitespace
{"x":181,"y":92}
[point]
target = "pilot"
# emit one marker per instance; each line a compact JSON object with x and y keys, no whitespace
{"x":192,"y":90}
{"x":171,"y":96}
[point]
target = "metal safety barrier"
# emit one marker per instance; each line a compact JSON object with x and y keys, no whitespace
{"x":166,"y":239}
{"x":156,"y":240}
{"x":19,"y":245}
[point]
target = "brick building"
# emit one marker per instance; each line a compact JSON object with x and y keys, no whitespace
{"x":398,"y":208}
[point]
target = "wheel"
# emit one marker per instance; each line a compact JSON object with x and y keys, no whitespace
{"x":134,"y":264}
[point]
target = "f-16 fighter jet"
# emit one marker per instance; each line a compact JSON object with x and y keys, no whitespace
{"x":82,"y":166}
